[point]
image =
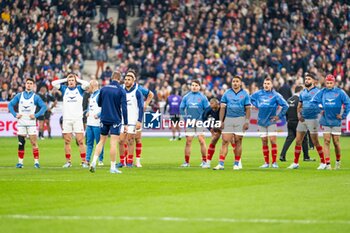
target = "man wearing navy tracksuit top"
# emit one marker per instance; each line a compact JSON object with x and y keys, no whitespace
{"x":112,"y":100}
{"x":267,"y":101}
{"x":332,"y":99}
{"x":191,"y":108}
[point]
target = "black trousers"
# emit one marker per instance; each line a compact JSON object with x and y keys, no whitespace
{"x":292,"y":133}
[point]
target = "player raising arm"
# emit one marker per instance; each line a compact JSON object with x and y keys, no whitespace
{"x":72,"y":114}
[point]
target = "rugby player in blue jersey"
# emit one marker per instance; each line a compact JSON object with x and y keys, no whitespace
{"x":308,"y":120}
{"x":267,"y":101}
{"x":332,"y":99}
{"x":191,"y":108}
{"x":234,"y":117}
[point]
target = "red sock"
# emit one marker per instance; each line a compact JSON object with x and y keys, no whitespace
{"x":20,"y":154}
{"x":328,"y":160}
{"x":211,"y":151}
{"x":297,"y":151}
{"x":122,"y":159}
{"x":204,"y":158}
{"x":68,"y":156}
{"x":130,"y":159}
{"x":237,"y":158}
{"x":138,"y":150}
{"x":83,"y":156}
{"x":337,"y":156}
{"x":36,"y":153}
{"x":320,"y":153}
{"x":222,"y":158}
{"x":266,"y":154}
{"x":187,"y":158}
{"x":274,"y":152}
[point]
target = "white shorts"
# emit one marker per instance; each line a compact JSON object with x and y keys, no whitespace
{"x":309,"y":124}
{"x":234,"y":125}
{"x":191,"y":132}
{"x":26,"y":130}
{"x":335,"y":130}
{"x":72,"y":126}
{"x":131,"y":129}
{"x":268,"y":131}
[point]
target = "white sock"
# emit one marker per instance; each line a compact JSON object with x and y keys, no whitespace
{"x":94,"y":160}
{"x":112,"y":164}
{"x":20,"y":161}
{"x":36,"y":160}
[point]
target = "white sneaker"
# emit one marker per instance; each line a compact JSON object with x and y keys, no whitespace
{"x":84,"y":165}
{"x":204,"y":165}
{"x":328,"y":167}
{"x":240,"y":164}
{"x":219,"y":167}
{"x":67,"y":165}
{"x":138,"y":162}
{"x":236,"y":167}
{"x":100,"y":163}
{"x":322,"y":166}
{"x":172,"y":139}
{"x":209,"y":163}
{"x":115,"y":171}
{"x":185,"y":165}
{"x":265,"y":165}
{"x":293,"y":166}
{"x":274,"y":165}
{"x":337,"y":165}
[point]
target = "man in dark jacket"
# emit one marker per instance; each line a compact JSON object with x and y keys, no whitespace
{"x":112,"y":101}
{"x":292,"y":118}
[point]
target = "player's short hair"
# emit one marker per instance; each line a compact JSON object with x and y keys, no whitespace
{"x":72,"y":75}
{"x":298,"y":89}
{"x":237,"y":76}
{"x":116,"y":75}
{"x":214,"y":100}
{"x":131,"y":73}
{"x":30,"y":79}
{"x":311,"y":75}
{"x":268,"y":79}
{"x":196,"y":81}
{"x":131,"y":70}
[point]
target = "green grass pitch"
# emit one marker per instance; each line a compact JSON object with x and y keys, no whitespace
{"x":162,"y":197}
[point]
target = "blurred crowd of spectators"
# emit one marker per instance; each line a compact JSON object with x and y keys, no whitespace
{"x":47,"y":39}
{"x":176,"y":41}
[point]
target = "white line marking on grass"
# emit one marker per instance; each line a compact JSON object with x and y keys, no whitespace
{"x":33,"y":180}
{"x":175,"y":219}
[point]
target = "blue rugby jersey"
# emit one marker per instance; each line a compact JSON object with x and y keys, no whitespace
{"x":267,"y":103}
{"x":332,"y":100}
{"x":193,"y":104}
{"x":310,"y":110}
{"x":235,"y":102}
